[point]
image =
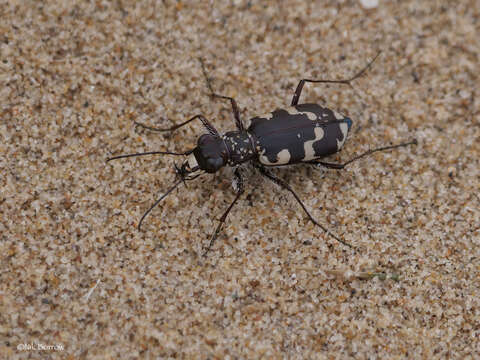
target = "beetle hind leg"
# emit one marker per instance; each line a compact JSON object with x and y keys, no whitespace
{"x":284,"y":185}
{"x":301,"y":83}
{"x":340,"y":166}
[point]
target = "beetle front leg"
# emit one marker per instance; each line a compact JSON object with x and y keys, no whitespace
{"x":239,"y":189}
{"x":211,"y":129}
{"x":236,"y":111}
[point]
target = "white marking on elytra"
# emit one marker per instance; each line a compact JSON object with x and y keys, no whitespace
{"x":338,"y":116}
{"x":266,"y":116}
{"x":294,"y":111}
{"x":308,"y":145}
{"x":283,"y":157}
{"x":344,"y":130}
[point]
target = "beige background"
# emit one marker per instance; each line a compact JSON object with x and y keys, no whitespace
{"x":76,"y":272}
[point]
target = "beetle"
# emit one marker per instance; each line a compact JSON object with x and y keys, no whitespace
{"x":301,"y":133}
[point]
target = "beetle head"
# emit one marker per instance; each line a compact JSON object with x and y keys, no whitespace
{"x":210,"y":154}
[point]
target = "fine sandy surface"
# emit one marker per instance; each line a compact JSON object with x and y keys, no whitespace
{"x":78,"y":280}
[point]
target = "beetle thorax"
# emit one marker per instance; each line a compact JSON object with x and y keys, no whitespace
{"x":240,"y":145}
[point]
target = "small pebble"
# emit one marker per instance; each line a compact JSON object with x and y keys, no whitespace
{"x":369,"y":4}
{"x":452,"y":172}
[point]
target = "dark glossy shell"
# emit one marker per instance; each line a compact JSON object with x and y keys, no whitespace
{"x":297,"y":134}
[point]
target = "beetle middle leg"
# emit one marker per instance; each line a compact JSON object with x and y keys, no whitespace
{"x":236,"y":111}
{"x":298,"y":91}
{"x":240,"y":189}
{"x":366,"y":153}
{"x":284,"y":185}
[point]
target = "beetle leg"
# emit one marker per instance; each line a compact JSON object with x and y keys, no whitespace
{"x":298,"y":91}
{"x":366,"y":153}
{"x":239,"y":190}
{"x":236,"y":112}
{"x":284,"y":185}
{"x":211,"y":129}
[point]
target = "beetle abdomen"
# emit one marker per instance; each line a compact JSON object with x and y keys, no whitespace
{"x":300,"y":133}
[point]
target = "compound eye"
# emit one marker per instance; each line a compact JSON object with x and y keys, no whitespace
{"x":213,"y":164}
{"x":205,"y":139}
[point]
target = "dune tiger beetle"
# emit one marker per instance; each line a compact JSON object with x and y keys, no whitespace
{"x":301,"y":133}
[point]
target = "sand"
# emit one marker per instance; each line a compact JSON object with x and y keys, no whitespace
{"x":78,"y":280}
